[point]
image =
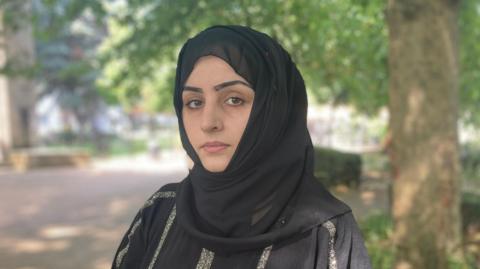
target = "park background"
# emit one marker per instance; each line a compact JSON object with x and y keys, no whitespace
{"x":88,"y":130}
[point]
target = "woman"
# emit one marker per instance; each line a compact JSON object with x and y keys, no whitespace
{"x":250,"y":200}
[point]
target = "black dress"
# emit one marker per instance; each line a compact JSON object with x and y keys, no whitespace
{"x":155,"y":240}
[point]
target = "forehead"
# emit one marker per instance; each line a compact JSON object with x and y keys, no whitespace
{"x":211,"y":70}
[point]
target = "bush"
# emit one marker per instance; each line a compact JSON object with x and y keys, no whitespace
{"x":377,"y":162}
{"x":471,"y":226}
{"x":377,"y":231}
{"x":470,"y":159}
{"x":334,"y":167}
{"x":470,"y":209}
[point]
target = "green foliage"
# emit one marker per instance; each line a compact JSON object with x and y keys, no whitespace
{"x":470,"y":160}
{"x":67,"y":35}
{"x":119,"y":147}
{"x":470,"y":210}
{"x":333,"y":167}
{"x":469,"y":26}
{"x":51,"y":18}
{"x":15,"y":14}
{"x":165,"y":139}
{"x":116,"y":145}
{"x":457,"y":264}
{"x":376,"y":161}
{"x":377,"y":232}
{"x":340,"y":48}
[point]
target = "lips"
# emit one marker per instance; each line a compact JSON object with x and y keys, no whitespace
{"x":215,"y":146}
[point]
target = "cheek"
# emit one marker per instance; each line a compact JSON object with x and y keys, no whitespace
{"x":239,"y":124}
{"x":189,"y":124}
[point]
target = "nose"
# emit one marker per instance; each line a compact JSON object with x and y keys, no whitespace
{"x":211,"y":118}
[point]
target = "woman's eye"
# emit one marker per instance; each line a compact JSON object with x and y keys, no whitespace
{"x":194,"y":104}
{"x":234,"y":101}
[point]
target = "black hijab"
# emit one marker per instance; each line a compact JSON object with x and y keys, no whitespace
{"x":270,"y":175}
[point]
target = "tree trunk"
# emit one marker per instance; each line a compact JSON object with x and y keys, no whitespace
{"x":423,"y":104}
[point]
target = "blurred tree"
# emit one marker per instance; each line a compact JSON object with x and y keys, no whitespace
{"x":67,"y":57}
{"x":17,"y":97}
{"x":469,"y":24}
{"x":424,"y":79}
{"x":68,"y":34}
{"x":340,"y":47}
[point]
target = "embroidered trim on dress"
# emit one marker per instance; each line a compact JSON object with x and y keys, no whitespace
{"x":149,"y":202}
{"x":205,"y":260}
{"x":168,"y":225}
{"x":124,"y":251}
{"x":332,"y":259}
{"x":264,"y":257}
{"x":160,"y":194}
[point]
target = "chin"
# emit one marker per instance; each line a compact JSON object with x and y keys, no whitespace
{"x":215,"y":167}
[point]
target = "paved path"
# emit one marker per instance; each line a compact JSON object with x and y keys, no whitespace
{"x":70,"y":218}
{"x":74,"y":219}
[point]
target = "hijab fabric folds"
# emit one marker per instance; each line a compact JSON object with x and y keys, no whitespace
{"x":271,"y":172}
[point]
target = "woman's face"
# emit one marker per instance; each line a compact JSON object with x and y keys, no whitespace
{"x":216,"y":107}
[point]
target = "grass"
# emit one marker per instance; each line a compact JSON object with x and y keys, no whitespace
{"x":119,"y":147}
{"x":114,"y":146}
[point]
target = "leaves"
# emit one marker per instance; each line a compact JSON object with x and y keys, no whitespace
{"x":339,"y":46}
{"x":469,"y":24}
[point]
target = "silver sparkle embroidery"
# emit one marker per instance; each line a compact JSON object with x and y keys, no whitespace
{"x":168,"y":225}
{"x":332,"y":259}
{"x":160,"y":194}
{"x":264,"y":257}
{"x":205,"y":260}
{"x":124,"y":251}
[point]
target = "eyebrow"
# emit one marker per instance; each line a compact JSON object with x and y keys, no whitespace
{"x":218,"y":87}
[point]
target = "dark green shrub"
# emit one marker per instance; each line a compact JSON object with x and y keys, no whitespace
{"x":470,"y":160}
{"x":470,"y":209}
{"x":376,"y":231}
{"x":334,"y":167}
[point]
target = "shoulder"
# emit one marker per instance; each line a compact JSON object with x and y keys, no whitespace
{"x":159,"y":203}
{"x":166,"y":192}
{"x":341,"y":224}
{"x":157,"y":208}
{"x":316,"y":205}
{"x":145,"y":227}
{"x":343,"y":239}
